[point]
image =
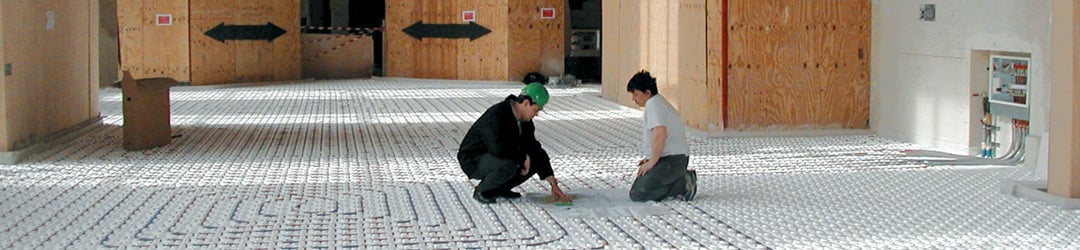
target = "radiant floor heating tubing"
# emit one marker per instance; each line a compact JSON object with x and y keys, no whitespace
{"x":351,"y":164}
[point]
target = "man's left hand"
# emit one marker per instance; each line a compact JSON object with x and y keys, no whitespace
{"x":645,"y":167}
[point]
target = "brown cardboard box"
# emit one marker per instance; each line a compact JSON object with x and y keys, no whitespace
{"x":147,"y":121}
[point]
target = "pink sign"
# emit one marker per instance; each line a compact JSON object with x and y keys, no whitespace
{"x":468,"y":16}
{"x":547,"y":13}
{"x":163,"y":19}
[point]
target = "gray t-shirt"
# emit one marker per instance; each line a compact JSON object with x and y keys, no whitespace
{"x":658,"y":112}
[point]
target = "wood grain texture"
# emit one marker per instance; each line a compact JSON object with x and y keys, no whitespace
{"x":216,"y":62}
{"x":49,"y":89}
{"x":798,"y":64}
{"x":536,"y":45}
{"x":150,"y":50}
{"x":670,"y":40}
{"x":519,"y":42}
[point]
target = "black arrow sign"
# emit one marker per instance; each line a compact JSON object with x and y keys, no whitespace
{"x":472,"y":31}
{"x":267,"y":32}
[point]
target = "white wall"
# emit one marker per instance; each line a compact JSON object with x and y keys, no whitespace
{"x":921,"y":71}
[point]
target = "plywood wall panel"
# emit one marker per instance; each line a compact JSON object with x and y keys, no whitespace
{"x":428,"y":58}
{"x":21,"y":17}
{"x":5,"y":141}
{"x":438,"y":57}
{"x":254,"y":59}
{"x":287,"y":59}
{"x":795,"y":64}
{"x":610,"y":42}
{"x":66,"y":60}
{"x":694,"y":92}
{"x":50,"y":62}
{"x":542,"y":38}
{"x":631,"y":53}
{"x":149,"y":50}
{"x":399,"y":50}
{"x":212,"y":61}
{"x":99,"y":65}
{"x":491,"y":57}
{"x":486,"y":57}
{"x":669,"y":39}
{"x":660,"y":31}
{"x":232,"y":61}
{"x":716,"y":65}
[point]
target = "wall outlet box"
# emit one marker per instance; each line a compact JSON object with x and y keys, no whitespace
{"x":927,"y":12}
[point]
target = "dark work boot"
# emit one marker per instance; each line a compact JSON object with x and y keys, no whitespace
{"x":691,"y":185}
{"x":482,"y":198}
{"x":507,"y":194}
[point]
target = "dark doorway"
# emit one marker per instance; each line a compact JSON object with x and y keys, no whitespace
{"x":361,"y":17}
{"x":370,"y":14}
{"x":584,"y":59}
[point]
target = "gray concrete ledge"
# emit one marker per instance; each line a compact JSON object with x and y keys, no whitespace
{"x":15,"y":156}
{"x":1036,"y":191}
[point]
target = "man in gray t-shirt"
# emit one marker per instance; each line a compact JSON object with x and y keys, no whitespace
{"x":662,"y":173}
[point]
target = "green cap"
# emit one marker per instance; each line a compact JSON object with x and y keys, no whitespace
{"x":537,"y":93}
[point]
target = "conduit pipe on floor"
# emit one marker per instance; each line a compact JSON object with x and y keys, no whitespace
{"x":1014,"y":156}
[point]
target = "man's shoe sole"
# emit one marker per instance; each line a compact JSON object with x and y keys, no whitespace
{"x":509,"y":195}
{"x":691,"y":186}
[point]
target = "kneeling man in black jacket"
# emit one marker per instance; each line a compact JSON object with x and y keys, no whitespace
{"x":501,"y":150}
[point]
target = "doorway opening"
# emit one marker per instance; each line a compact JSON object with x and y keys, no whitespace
{"x":363,"y":17}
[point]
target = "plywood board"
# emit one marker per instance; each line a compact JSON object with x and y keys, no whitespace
{"x":677,"y":58}
{"x":108,"y":44}
{"x":254,"y":58}
{"x":519,"y":42}
{"x":21,"y":89}
{"x":67,"y":74}
{"x":212,"y":61}
{"x":151,"y":50}
{"x":50,"y":61}
{"x":96,"y":60}
{"x":609,"y":41}
{"x":693,"y":92}
{"x":537,"y":44}
{"x":331,"y":56}
{"x":631,"y":46}
{"x":797,"y":64}
{"x":657,"y":19}
{"x":398,"y":50}
{"x":716,"y":65}
{"x":426,"y":58}
{"x":231,"y":61}
{"x":441,"y":53}
{"x":487,"y":57}
{"x":5,"y":141}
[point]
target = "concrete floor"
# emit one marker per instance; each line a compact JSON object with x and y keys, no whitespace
{"x":370,"y":164}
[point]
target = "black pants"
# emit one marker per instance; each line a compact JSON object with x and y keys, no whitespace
{"x":498,"y":174}
{"x":666,"y":179}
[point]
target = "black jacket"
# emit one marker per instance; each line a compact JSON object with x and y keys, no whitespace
{"x":496,"y":132}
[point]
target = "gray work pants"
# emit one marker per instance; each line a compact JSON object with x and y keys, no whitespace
{"x":666,"y":179}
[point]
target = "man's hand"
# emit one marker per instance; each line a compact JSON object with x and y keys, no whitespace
{"x":557,"y":194}
{"x":525,"y":170}
{"x":644,"y":166}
